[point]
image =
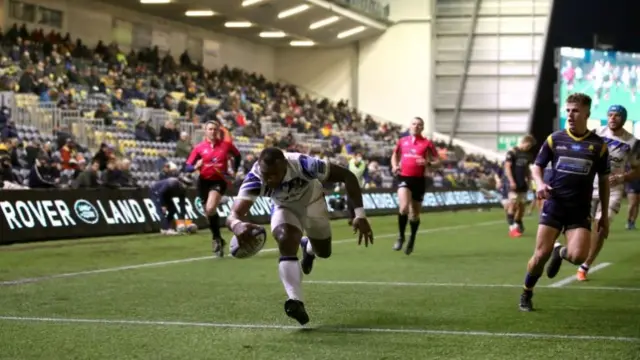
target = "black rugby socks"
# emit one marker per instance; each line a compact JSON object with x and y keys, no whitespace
{"x":530,"y":280}
{"x":402,"y":224}
{"x":214,"y":226}
{"x":414,"y":224}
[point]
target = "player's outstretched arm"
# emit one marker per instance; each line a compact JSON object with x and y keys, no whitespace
{"x":341,"y":174}
{"x":249,"y":190}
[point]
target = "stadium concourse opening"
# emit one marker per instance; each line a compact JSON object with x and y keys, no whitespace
{"x":579,"y":24}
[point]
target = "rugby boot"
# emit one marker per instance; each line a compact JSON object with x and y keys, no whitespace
{"x":295,"y":310}
{"x":399,"y":243}
{"x":409,"y":249}
{"x":218,"y":246}
{"x":515,"y":232}
{"x":525,"y":301}
{"x":307,"y":259}
{"x":555,"y":262}
{"x":581,"y":275}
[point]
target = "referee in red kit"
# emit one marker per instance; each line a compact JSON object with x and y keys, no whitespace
{"x":412,"y":157}
{"x":211,"y":158}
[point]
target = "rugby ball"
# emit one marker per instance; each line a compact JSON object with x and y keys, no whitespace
{"x":250,"y":248}
{"x":192,"y":229}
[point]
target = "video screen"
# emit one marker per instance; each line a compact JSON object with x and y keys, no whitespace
{"x":609,"y":77}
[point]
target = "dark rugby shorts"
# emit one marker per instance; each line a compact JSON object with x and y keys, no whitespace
{"x":205,"y":186}
{"x":633,"y":187}
{"x":416,"y":184}
{"x":565,"y":217}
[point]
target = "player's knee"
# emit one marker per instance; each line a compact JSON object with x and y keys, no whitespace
{"x":577,"y":254}
{"x":211,"y":210}
{"x":321,"y":247}
{"x":541,"y":255}
{"x":288,"y":238}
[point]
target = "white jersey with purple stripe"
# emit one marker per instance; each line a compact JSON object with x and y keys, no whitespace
{"x":622,"y":149}
{"x":303,"y":178}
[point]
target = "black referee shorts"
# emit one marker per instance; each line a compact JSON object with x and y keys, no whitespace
{"x":416,"y":184}
{"x":205,"y":186}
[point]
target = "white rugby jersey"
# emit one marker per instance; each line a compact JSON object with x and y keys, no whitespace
{"x":304,"y":173}
{"x":621,"y":149}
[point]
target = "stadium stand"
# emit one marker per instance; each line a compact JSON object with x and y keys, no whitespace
{"x":66,"y":107}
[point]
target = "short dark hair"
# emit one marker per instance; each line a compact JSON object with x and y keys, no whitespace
{"x":271,"y":155}
{"x":580,"y":99}
{"x":529,"y":139}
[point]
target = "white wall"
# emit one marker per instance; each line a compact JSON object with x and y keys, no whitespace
{"x":93,"y":21}
{"x":326,"y":72}
{"x":394,"y":72}
{"x":388,"y":77}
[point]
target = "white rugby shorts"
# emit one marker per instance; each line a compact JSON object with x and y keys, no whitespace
{"x":311,"y":215}
{"x":615,"y":201}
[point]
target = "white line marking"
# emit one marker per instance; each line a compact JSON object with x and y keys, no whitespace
{"x":187,"y":260}
{"x":426,"y":284}
{"x":570,"y":279}
{"x":321,"y":328}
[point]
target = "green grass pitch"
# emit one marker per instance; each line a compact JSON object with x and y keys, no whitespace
{"x":455,"y":297}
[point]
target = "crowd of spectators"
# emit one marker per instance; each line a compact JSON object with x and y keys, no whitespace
{"x":56,"y":68}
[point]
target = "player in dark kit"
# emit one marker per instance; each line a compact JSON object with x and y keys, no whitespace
{"x":211,"y":158}
{"x":517,"y":173}
{"x":633,"y":195}
{"x":413,"y":156}
{"x":162,"y":193}
{"x":576,"y":156}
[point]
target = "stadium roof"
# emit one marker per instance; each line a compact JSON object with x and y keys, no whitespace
{"x":273,"y":22}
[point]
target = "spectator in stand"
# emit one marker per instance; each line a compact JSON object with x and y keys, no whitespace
{"x":183,"y":146}
{"x":168,"y":132}
{"x":142,"y":132}
{"x":103,"y":155}
{"x":67,"y":153}
{"x":117,"y":101}
{"x":111,"y":175}
{"x":124,"y":178}
{"x":8,"y":179}
{"x":202,"y":108}
{"x":9,"y":131}
{"x":42,"y":174}
{"x":88,"y":179}
{"x":152,"y":100}
{"x":104,"y":113}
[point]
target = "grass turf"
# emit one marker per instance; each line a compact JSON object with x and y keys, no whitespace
{"x":454,"y":298}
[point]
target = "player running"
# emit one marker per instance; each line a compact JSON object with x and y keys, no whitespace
{"x":211,"y":157}
{"x":293,"y":182}
{"x":411,"y":159}
{"x":162,"y":193}
{"x":517,"y":172}
{"x":633,"y":196}
{"x":576,"y":155}
{"x":622,"y":146}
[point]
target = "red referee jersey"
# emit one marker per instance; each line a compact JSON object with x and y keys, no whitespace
{"x":215,"y":158}
{"x":414,"y":152}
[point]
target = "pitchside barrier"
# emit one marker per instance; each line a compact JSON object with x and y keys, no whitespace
{"x":40,"y":215}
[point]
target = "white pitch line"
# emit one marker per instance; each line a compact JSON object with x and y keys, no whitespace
{"x":321,"y":328}
{"x":463,"y":285}
{"x":187,"y":260}
{"x":570,"y":279}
